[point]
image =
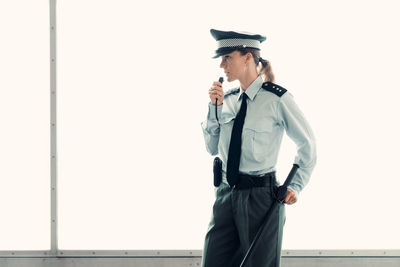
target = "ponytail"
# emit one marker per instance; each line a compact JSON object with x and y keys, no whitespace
{"x":265,"y":70}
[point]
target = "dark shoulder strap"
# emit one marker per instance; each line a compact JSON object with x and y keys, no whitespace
{"x":232,"y":92}
{"x":274,"y":88}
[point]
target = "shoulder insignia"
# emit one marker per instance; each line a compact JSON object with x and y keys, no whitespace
{"x":274,"y":88}
{"x":232,"y":92}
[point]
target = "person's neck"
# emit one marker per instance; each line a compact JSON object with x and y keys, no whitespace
{"x":247,"y":80}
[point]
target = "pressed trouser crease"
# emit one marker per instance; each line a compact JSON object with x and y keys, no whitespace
{"x":236,"y":217}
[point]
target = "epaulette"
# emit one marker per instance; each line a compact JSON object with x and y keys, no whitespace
{"x":232,"y":91}
{"x":274,"y":88}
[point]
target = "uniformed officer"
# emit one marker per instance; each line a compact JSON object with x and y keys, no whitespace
{"x":246,"y":132}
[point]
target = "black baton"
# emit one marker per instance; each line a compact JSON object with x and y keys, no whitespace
{"x":279,"y":197}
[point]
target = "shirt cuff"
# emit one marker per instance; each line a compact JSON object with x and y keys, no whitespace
{"x":295,"y":191}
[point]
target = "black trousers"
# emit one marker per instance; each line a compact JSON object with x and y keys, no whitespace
{"x":236,"y":217}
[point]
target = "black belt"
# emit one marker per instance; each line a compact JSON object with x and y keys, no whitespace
{"x":248,"y":181}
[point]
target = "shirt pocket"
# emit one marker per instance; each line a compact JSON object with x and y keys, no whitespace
{"x":227,"y":120}
{"x":258,"y":135}
{"x":226,"y":125}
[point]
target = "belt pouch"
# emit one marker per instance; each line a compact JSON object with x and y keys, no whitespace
{"x":217,"y":169}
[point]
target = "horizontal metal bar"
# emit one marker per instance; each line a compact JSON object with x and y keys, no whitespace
{"x":190,"y":262}
{"x":193,"y":253}
{"x":25,"y":253}
{"x":342,"y":253}
{"x":129,"y":253}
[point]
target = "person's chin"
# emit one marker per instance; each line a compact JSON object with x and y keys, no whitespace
{"x":229,"y":78}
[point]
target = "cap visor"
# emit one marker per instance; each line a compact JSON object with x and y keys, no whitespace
{"x":224,"y":50}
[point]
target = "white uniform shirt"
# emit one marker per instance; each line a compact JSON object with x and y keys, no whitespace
{"x":268,"y":116}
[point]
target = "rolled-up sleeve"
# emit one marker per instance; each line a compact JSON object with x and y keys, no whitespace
{"x":211,"y":129}
{"x":298,"y":129}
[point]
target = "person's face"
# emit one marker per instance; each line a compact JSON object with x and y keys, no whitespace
{"x":233,"y":65}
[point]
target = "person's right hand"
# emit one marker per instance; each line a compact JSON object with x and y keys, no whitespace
{"x":290,"y":197}
{"x":216,"y":92}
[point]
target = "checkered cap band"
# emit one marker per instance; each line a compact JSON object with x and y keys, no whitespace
{"x":238,"y":42}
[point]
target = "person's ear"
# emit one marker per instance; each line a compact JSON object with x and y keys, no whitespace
{"x":249,"y":57}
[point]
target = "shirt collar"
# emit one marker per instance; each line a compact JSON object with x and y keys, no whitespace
{"x":253,"y":89}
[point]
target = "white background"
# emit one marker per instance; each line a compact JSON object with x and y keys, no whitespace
{"x":132,"y":83}
{"x":24,"y":125}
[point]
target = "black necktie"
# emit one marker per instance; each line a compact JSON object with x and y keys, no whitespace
{"x":236,"y":143}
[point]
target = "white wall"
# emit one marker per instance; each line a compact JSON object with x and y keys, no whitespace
{"x":132,"y":90}
{"x":24,"y":125}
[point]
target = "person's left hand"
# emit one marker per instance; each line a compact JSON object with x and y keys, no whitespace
{"x":291,"y":197}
